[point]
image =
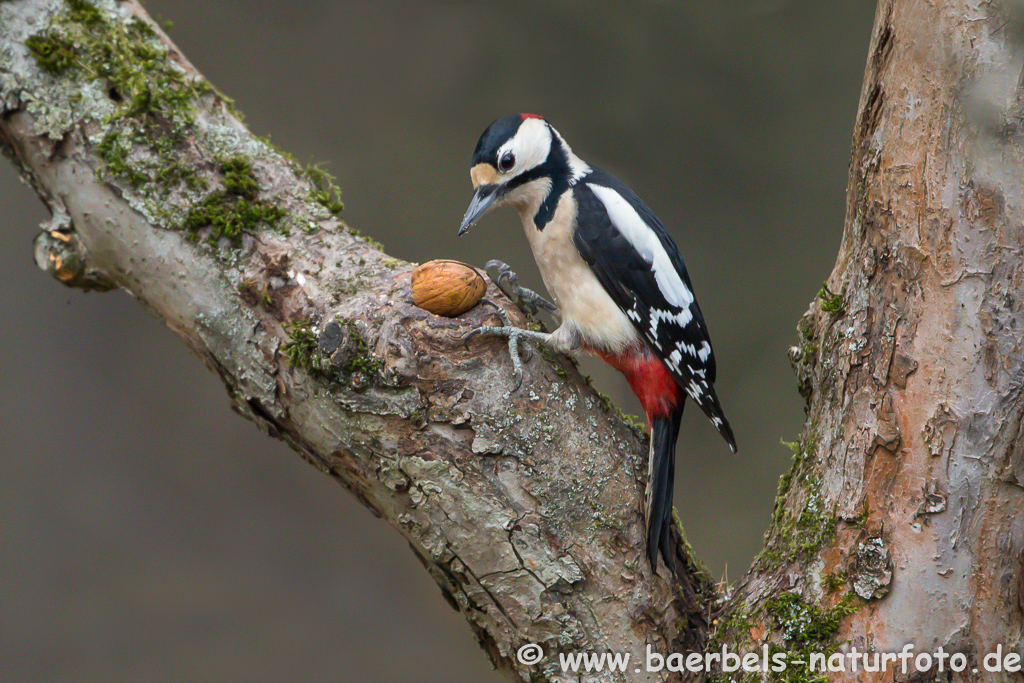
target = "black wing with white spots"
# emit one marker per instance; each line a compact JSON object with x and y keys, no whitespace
{"x":639,"y":266}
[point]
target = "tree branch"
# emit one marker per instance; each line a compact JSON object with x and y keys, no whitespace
{"x":524,"y":507}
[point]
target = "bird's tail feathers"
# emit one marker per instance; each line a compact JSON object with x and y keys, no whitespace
{"x":660,"y":475}
{"x":708,"y":402}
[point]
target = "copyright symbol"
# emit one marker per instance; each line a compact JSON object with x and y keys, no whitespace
{"x":529,"y":654}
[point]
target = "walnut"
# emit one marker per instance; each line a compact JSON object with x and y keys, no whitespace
{"x":446,"y":287}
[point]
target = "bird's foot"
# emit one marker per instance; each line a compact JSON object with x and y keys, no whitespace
{"x":508,"y":282}
{"x":515,"y":335}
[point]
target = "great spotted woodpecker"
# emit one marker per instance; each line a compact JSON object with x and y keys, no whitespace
{"x":619,"y":283}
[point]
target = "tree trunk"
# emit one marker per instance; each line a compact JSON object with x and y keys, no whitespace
{"x":904,"y":505}
{"x":896,"y":525}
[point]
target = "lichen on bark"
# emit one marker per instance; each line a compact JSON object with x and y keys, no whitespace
{"x":523,"y":506}
{"x":908,"y":357}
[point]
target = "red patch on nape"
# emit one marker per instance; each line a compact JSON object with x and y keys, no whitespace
{"x":649,"y":379}
{"x":531,"y":116}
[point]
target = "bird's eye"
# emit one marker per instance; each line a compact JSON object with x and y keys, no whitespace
{"x":506,"y":162}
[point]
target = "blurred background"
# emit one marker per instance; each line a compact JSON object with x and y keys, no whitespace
{"x":148,"y":533}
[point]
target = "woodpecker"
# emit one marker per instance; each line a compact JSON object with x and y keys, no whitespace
{"x":618,"y":282}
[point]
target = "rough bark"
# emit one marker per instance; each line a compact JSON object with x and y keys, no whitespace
{"x":525,"y":506}
{"x":904,"y":504}
{"x":899,"y":523}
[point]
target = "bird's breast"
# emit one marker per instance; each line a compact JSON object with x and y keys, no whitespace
{"x":582,"y":300}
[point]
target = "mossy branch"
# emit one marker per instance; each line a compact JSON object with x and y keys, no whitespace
{"x":162,"y":191}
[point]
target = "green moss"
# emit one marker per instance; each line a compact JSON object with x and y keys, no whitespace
{"x":635,"y":423}
{"x":301,"y":348}
{"x":84,"y":12}
{"x":557,"y":363}
{"x":357,"y":368}
{"x":239,"y":179}
{"x":53,"y":52}
{"x":806,"y":328}
{"x":607,"y":406}
{"x":369,"y":240}
{"x":800,"y":623}
{"x":834,"y":581}
{"x":126,"y":56}
{"x":324,"y":190}
{"x":346,"y":288}
{"x":798,"y":535}
{"x":800,"y":449}
{"x":830,"y":301}
{"x":152,"y":99}
{"x":361,"y":361}
{"x":698,"y":571}
{"x":732,"y":626}
{"x":548,"y":355}
{"x":805,"y":628}
{"x":175,"y":172}
{"x":115,"y":155}
{"x":236,"y":208}
{"x":861,"y":521}
{"x":801,"y":628}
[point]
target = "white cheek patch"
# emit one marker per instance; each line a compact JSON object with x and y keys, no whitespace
{"x":530,"y":146}
{"x":647,"y":244}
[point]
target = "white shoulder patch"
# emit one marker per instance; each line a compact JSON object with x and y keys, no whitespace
{"x":643,"y":239}
{"x":577,"y":167}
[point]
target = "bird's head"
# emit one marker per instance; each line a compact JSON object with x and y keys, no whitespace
{"x":517,"y":157}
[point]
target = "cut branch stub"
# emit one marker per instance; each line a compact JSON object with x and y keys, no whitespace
{"x":60,"y":253}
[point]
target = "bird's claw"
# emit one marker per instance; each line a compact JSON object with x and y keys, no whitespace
{"x":515,"y":336}
{"x":508,"y":282}
{"x":500,"y":312}
{"x":472,"y":333}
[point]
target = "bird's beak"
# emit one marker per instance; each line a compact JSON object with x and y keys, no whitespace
{"x":483,"y":199}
